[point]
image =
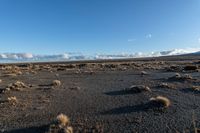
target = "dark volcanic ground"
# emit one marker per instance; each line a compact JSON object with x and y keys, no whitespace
{"x":92,"y":94}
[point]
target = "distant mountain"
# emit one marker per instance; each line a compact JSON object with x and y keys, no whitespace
{"x":196,"y":53}
{"x":26,"y":57}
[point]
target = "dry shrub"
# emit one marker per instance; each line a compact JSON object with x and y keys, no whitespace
{"x":17,"y":86}
{"x":11,"y":74}
{"x":196,"y":88}
{"x":138,"y":88}
{"x":61,"y":125}
{"x":187,"y":76}
{"x":161,"y":101}
{"x":181,"y":77}
{"x":144,"y":73}
{"x":166,"y":85}
{"x":56,"y":83}
{"x":177,"y":75}
{"x":12,"y":100}
{"x":63,"y":120}
{"x":33,"y":72}
{"x":12,"y":71}
{"x":75,"y":88}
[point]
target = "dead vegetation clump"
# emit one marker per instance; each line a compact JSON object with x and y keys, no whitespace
{"x":61,"y":125}
{"x":17,"y":86}
{"x":56,"y":83}
{"x":144,"y":73}
{"x":75,"y":88}
{"x":160,"y":101}
{"x":111,"y":66}
{"x":180,"y":77}
{"x":90,"y":72}
{"x":12,"y":71}
{"x":166,"y":85}
{"x":33,"y":72}
{"x":138,"y":89}
{"x":195,"y":88}
{"x":70,"y":66}
{"x":12,"y":100}
{"x":174,"y":68}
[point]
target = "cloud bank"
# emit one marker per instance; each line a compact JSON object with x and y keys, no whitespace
{"x":26,"y":57}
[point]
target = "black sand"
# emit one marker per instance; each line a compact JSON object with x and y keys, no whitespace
{"x":92,"y":95}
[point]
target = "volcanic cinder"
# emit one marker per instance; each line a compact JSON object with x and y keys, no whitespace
{"x":94,"y":96}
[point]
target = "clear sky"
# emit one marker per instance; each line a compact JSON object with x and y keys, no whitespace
{"x":98,"y":26}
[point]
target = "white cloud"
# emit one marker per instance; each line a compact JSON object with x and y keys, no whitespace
{"x":5,"y":57}
{"x":148,"y":36}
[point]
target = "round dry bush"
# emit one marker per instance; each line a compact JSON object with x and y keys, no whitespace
{"x":161,"y":101}
{"x":138,"y":88}
{"x":62,"y":119}
{"x":56,"y":83}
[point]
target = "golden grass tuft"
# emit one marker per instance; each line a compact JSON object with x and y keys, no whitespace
{"x":187,"y":76}
{"x":17,"y":86}
{"x":62,"y":119}
{"x":62,"y":125}
{"x":163,"y":101}
{"x":177,"y":75}
{"x":11,"y":75}
{"x":167,"y":85}
{"x":12,"y":100}
{"x":56,"y":83}
{"x":196,"y":88}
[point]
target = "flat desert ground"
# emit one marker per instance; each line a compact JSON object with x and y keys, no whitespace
{"x":113,"y":96}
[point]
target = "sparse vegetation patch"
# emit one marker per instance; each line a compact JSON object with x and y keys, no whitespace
{"x":138,"y":89}
{"x":160,"y":101}
{"x":61,"y":125}
{"x":17,"y":86}
{"x":56,"y":83}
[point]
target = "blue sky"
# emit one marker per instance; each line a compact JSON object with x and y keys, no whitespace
{"x":98,"y":26}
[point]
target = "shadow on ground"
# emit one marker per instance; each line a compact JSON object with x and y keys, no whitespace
{"x":136,"y":108}
{"x":121,"y":92}
{"x":189,"y":90}
{"x":41,"y":129}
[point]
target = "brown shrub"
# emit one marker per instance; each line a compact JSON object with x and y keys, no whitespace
{"x":61,"y":125}
{"x":161,"y":101}
{"x":56,"y":83}
{"x":196,"y":88}
{"x":17,"y":86}
{"x":138,"y":88}
{"x":12,"y":100}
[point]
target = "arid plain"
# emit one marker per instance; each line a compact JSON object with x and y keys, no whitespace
{"x":148,"y":95}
